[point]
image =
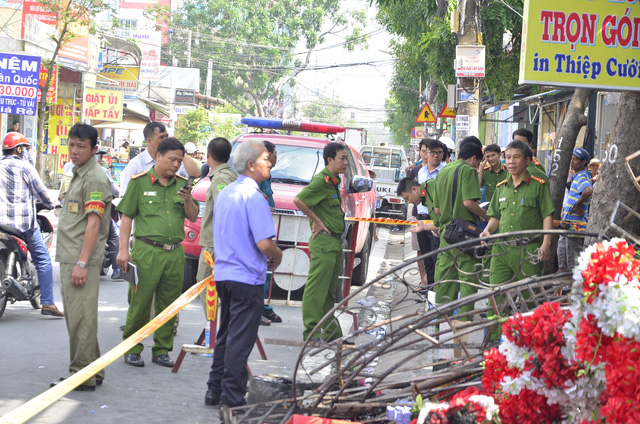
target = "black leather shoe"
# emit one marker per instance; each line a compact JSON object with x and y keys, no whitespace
{"x":134,"y":360}
{"x":80,"y":388}
{"x":163,"y":360}
{"x":210,"y":399}
{"x":273,"y":317}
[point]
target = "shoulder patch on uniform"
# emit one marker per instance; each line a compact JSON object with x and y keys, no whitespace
{"x":180,"y":176}
{"x":221,"y":186}
{"x":536,"y":161}
{"x":502,"y":182}
{"x":538,"y":179}
{"x":139,"y":175}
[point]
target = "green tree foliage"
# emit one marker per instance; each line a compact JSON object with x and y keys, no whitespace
{"x":200,"y":125}
{"x":194,"y":126}
{"x":425,"y":50}
{"x":73,"y":17}
{"x":327,"y":110}
{"x":251,"y":43}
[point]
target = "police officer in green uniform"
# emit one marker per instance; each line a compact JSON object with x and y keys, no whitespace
{"x":322,"y":203}
{"x":159,"y":203}
{"x":521,"y":202}
{"x":82,"y":232}
{"x":419,"y":194}
{"x":221,"y":175}
{"x":535,"y":168}
{"x":493,"y":172}
{"x":452,"y":264}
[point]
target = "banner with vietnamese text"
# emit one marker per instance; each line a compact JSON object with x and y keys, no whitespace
{"x":19,"y":77}
{"x":102,"y":105}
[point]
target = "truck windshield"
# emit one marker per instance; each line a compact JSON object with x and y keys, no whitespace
{"x":296,"y":165}
{"x":383,"y":159}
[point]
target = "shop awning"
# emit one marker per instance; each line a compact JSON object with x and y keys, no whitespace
{"x":129,"y":123}
{"x":156,"y":106}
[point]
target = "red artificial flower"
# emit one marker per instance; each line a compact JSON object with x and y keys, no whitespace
{"x":528,"y":407}
{"x":495,"y":369}
{"x":606,"y":264}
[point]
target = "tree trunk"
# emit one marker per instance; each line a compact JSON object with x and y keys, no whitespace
{"x":40,"y":134}
{"x":614,"y":182}
{"x":566,"y":136}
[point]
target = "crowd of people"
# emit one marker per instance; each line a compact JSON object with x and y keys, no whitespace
{"x":156,"y":199}
{"x":516,"y":188}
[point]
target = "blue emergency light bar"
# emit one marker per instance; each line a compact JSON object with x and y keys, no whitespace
{"x":292,"y":125}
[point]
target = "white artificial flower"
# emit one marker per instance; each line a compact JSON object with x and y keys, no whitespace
{"x":488,"y":403}
{"x":516,"y":356}
{"x":428,"y":407}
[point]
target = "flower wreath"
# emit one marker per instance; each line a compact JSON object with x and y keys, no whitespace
{"x":580,"y":365}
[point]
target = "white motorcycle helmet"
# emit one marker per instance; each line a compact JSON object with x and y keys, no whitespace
{"x":190,"y":148}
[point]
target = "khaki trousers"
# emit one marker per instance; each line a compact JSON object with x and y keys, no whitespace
{"x":81,"y":316}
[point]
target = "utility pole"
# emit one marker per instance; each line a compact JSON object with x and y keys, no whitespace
{"x":209,"y":77}
{"x":189,"y":49}
{"x":468,"y":33}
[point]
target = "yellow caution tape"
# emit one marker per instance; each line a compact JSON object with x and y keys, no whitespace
{"x":212,"y":293}
{"x":386,"y":221}
{"x":34,"y":406}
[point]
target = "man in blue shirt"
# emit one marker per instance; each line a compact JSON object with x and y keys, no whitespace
{"x":242,"y":218}
{"x":21,"y":188}
{"x":575,"y":209}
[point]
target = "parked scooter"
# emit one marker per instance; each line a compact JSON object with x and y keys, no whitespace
{"x":18,"y":275}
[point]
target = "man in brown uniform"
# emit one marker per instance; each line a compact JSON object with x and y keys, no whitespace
{"x":82,"y":232}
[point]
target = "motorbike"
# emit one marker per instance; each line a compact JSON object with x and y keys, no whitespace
{"x":109,"y":254}
{"x":18,"y":275}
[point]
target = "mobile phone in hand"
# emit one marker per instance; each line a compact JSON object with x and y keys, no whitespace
{"x":189,"y":183}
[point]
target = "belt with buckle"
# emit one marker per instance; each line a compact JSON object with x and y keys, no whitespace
{"x":423,"y":216}
{"x":167,"y":247}
{"x":332,"y":234}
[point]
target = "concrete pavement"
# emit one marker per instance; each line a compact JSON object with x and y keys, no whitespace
{"x":35,"y":352}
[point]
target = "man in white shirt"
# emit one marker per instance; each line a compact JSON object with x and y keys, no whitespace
{"x":154,"y":133}
{"x":426,"y":240}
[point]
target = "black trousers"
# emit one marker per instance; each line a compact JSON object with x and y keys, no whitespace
{"x":113,"y":244}
{"x":428,"y":243}
{"x":240,"y":311}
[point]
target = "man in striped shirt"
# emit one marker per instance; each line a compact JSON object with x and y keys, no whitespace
{"x":576,"y":208}
{"x":21,"y":188}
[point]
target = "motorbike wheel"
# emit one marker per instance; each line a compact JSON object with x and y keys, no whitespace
{"x":35,"y":300}
{"x":3,"y":297}
{"x":35,"y":297}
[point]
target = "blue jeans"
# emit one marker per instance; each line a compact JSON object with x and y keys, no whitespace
{"x":42,"y":261}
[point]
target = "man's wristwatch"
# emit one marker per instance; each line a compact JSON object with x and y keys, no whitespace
{"x":82,"y":265}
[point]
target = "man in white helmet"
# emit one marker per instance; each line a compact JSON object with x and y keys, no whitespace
{"x":191,"y":150}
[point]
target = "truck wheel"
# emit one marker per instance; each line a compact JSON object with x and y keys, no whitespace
{"x":360,"y":272}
